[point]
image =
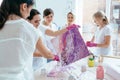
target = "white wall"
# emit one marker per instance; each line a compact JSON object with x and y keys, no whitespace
{"x":108,"y":8}
{"x":0,"y":1}
{"x":60,"y":8}
{"x":79,"y":13}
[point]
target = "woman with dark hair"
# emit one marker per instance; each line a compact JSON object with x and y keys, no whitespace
{"x":34,"y":18}
{"x":38,"y":60}
{"x":18,"y":40}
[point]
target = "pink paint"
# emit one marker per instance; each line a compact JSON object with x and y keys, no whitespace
{"x":100,"y":72}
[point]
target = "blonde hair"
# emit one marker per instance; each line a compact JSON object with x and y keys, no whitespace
{"x":102,"y":16}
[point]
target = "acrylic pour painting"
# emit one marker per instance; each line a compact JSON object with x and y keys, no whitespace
{"x":70,"y":46}
{"x":74,"y":47}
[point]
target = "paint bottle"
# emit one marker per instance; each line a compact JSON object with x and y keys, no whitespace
{"x":83,"y":68}
{"x":91,"y":62}
{"x":100,"y":70}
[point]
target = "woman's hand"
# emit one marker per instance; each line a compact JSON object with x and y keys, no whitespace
{"x":44,"y":51}
{"x":72,"y":27}
{"x":56,"y":58}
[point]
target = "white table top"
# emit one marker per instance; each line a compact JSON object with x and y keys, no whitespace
{"x":90,"y":74}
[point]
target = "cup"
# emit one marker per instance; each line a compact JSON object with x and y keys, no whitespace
{"x":83,"y":68}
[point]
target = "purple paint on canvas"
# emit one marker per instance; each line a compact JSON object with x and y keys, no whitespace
{"x":74,"y":47}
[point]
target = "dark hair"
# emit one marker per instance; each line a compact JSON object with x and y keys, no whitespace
{"x":47,"y":12}
{"x":33,"y":13}
{"x":11,"y":7}
{"x":101,"y":15}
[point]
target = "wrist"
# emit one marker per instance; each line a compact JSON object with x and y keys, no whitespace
{"x":54,"y":57}
{"x":93,"y":45}
{"x":96,"y":45}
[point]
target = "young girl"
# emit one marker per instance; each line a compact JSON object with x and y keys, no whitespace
{"x":18,"y":40}
{"x":102,"y":38}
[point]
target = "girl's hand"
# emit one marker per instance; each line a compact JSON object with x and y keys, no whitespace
{"x":91,"y":44}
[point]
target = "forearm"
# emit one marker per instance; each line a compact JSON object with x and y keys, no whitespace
{"x":37,"y":54}
{"x":92,"y":39}
{"x":55,"y":33}
{"x":103,"y":45}
{"x":106,"y":42}
{"x":44,"y":51}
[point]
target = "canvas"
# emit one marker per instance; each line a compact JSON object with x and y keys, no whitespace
{"x":74,"y":47}
{"x":70,"y":46}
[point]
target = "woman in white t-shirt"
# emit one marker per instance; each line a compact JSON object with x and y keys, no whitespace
{"x":49,"y":29}
{"x":38,"y":60}
{"x":101,"y":41}
{"x":18,"y":40}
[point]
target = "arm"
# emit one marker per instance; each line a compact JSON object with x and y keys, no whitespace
{"x":50,"y":32}
{"x":44,"y":51}
{"x":56,"y":33}
{"x":106,"y":42}
{"x":104,"y":45}
{"x":37,"y":54}
{"x":92,"y":39}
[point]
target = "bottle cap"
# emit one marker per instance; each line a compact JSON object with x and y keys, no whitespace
{"x":91,"y":59}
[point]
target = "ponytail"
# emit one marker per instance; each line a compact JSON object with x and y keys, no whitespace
{"x":4,"y":13}
{"x":105,"y":20}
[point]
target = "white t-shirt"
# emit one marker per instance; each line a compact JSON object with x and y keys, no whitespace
{"x":99,"y":39}
{"x":38,"y":62}
{"x":18,"y":40}
{"x":47,"y":38}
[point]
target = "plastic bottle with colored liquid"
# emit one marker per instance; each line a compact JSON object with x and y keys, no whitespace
{"x":100,"y":71}
{"x":91,"y":62}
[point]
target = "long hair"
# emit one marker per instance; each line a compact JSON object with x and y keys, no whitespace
{"x":11,"y":7}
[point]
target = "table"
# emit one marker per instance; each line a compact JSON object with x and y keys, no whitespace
{"x":90,"y":74}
